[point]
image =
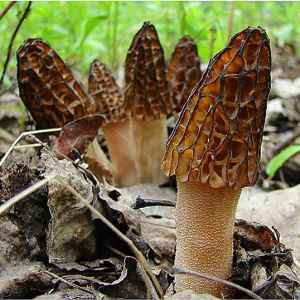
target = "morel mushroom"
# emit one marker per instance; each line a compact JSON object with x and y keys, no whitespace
{"x":117,"y":130}
{"x":148,"y":101}
{"x":214,"y":151}
{"x":52,"y":95}
{"x":183,"y":71}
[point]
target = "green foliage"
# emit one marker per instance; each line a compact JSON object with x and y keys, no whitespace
{"x":82,"y":31}
{"x":277,"y":161}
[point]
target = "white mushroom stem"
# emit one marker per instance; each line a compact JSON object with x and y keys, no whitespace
{"x":136,"y":149}
{"x":205,"y":223}
{"x":122,"y":152}
{"x":150,"y":139}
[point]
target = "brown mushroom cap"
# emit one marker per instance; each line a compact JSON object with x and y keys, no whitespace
{"x":183,"y":71}
{"x":48,"y":88}
{"x":146,"y":92}
{"x":106,"y":92}
{"x":218,"y":135}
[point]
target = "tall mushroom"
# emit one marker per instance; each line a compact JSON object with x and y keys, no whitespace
{"x":183,"y":71}
{"x":148,"y":101}
{"x":214,"y":151}
{"x":52,"y":95}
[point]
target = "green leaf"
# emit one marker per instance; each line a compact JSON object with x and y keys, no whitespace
{"x":90,"y":26}
{"x":278,"y":160}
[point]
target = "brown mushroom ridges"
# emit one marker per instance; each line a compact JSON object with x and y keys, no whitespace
{"x":183,"y":71}
{"x":106,"y":92}
{"x":147,"y":94}
{"x":48,"y":88}
{"x":219,"y":132}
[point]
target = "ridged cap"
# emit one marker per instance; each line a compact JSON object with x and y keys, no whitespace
{"x":183,"y":71}
{"x":106,"y":93}
{"x":48,"y":88}
{"x":147,"y":94}
{"x":217,"y":138}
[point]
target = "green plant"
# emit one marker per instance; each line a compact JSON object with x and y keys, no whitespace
{"x":83,"y":31}
{"x":278,"y":160}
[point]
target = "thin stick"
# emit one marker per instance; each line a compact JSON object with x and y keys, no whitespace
{"x":9,"y":49}
{"x":142,"y":203}
{"x":7,"y":8}
{"x":213,"y":278}
{"x":5,"y":135}
{"x":20,"y":147}
{"x":21,"y":136}
{"x":11,"y":202}
{"x":287,"y":142}
{"x":69,"y":283}
{"x":139,"y":256}
{"x":116,"y":251}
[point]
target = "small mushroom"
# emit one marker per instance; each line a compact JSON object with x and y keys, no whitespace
{"x":117,"y":129}
{"x":214,"y":152}
{"x":53,"y":96}
{"x":183,"y":71}
{"x":148,"y":101}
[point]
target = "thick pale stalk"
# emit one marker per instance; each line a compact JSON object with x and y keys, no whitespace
{"x":205,"y":222}
{"x":122,"y":152}
{"x":150,"y":142}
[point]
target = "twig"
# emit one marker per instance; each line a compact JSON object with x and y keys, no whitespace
{"x":141,"y":203}
{"x":69,"y":283}
{"x":139,"y":256}
{"x":9,"y":49}
{"x":21,"y":136}
{"x":28,"y":146}
{"x":5,"y":135}
{"x":11,"y":202}
{"x":213,"y":278}
{"x":7,"y":8}
{"x":287,"y":142}
{"x":116,"y":251}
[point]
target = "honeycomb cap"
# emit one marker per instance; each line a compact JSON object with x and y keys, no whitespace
{"x":106,"y":92}
{"x":217,"y":138}
{"x":183,"y":71}
{"x":48,"y":88}
{"x":147,"y":94}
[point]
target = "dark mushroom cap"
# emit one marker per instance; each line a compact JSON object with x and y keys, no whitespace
{"x":48,"y":88}
{"x":183,"y":71}
{"x":147,"y":94}
{"x":217,"y":138}
{"x":106,"y":92}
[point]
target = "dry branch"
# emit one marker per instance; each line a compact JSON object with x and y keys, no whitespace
{"x":9,"y":49}
{"x":7,"y":8}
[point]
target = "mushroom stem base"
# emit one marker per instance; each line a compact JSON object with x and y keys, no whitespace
{"x":150,"y":139}
{"x":122,"y":152}
{"x":205,"y":223}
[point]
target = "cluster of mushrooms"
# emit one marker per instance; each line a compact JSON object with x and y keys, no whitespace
{"x":214,"y":150}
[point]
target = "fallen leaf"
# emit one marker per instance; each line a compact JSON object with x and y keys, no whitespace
{"x":76,"y":136}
